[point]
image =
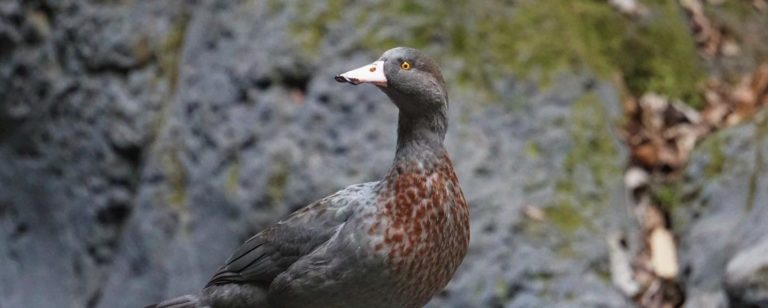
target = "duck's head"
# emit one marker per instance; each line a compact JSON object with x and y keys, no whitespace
{"x":411,"y":80}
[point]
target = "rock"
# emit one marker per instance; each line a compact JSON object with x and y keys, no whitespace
{"x":142,"y":141}
{"x":723,"y":218}
{"x":510,"y":161}
{"x":72,"y":144}
{"x":746,"y":276}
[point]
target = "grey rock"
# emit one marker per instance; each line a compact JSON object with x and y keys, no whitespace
{"x":535,"y":157}
{"x":746,"y":275}
{"x":723,"y":220}
{"x":141,"y":142}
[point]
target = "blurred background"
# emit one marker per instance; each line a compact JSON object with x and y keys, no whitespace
{"x":613,"y":152}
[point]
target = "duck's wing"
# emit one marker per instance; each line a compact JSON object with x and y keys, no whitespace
{"x":270,"y":252}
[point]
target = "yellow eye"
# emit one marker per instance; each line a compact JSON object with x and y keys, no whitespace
{"x":405,"y":65}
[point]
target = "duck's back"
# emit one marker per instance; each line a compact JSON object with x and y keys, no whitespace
{"x":289,"y":249}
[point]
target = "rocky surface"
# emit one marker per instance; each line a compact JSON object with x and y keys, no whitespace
{"x":722,"y":227}
{"x":142,"y":141}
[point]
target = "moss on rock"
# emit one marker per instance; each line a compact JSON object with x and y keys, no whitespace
{"x":653,"y":54}
{"x":531,"y":38}
{"x":592,"y":161}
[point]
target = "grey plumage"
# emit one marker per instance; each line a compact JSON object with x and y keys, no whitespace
{"x":186,"y":301}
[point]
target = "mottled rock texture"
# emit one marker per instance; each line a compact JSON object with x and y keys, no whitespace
{"x":722,"y":225}
{"x":142,"y":141}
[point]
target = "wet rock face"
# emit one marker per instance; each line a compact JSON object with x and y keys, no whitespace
{"x":541,"y":207}
{"x":746,"y":276}
{"x":73,"y":139}
{"x":722,"y":228}
{"x":141,"y":142}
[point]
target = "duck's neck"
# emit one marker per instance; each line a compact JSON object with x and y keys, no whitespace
{"x":420,"y":137}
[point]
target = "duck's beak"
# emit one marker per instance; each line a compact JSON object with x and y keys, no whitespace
{"x":371,"y":73}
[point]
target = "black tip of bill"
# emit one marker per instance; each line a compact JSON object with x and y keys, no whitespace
{"x":341,"y":78}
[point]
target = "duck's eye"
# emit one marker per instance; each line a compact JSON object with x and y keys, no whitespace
{"x":405,"y":65}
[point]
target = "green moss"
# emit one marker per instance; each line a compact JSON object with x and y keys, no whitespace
{"x":565,"y":217}
{"x":543,"y":276}
{"x":142,"y":50}
{"x":169,"y":57}
{"x":661,"y":57}
{"x":656,"y":55}
{"x":603,"y":274}
{"x":754,"y":178}
{"x":668,"y":195}
{"x":276,"y":182}
{"x":762,"y":278}
{"x":534,"y":230}
{"x":170,"y":51}
{"x":169,"y":61}
{"x":311,"y":25}
{"x":566,"y":184}
{"x":593,"y":144}
{"x":532,"y":150}
{"x":501,"y":289}
{"x":543,"y":37}
{"x":716,"y":157}
{"x":592,"y":162}
{"x":233,"y":178}
{"x":177,"y":179}
{"x":739,"y":9}
{"x":532,"y":38}
{"x":761,"y":134}
{"x":426,"y":22}
{"x":564,"y":249}
{"x":449,"y":24}
{"x":274,"y":6}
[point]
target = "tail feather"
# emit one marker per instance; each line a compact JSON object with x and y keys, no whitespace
{"x":186,"y":301}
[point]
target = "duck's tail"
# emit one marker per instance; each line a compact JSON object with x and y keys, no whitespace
{"x":186,"y":301}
